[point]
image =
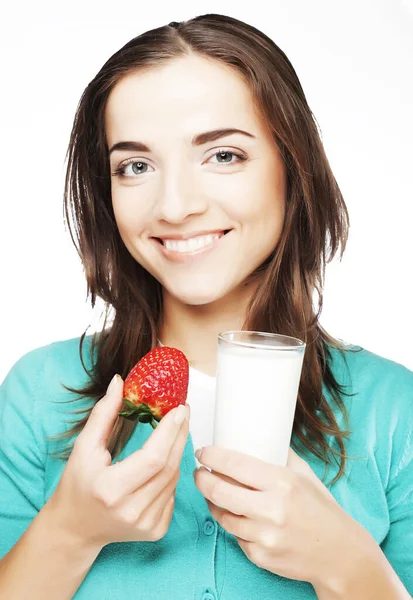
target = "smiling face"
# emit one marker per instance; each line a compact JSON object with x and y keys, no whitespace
{"x":175,"y":185}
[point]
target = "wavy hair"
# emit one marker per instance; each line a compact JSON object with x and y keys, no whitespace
{"x":315,"y":228}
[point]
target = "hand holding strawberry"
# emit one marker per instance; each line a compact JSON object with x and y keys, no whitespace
{"x":156,"y":384}
{"x":97,"y":503}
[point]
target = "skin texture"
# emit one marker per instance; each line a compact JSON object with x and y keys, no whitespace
{"x":184,"y":189}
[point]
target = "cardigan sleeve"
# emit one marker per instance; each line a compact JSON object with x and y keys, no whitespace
{"x":398,"y":544}
{"x":22,"y":448}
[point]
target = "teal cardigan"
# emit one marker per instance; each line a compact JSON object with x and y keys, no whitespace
{"x":197,"y":559}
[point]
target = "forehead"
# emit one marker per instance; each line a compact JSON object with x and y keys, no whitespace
{"x":187,"y":93}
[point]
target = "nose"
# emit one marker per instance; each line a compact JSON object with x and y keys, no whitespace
{"x":179,"y":197}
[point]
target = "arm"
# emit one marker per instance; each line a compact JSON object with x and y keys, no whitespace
{"x":39,"y":559}
{"x":385,"y":572}
{"x":46,"y":562}
{"x":368,"y":577}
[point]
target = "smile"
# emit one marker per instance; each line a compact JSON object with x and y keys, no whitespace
{"x":187,"y":250}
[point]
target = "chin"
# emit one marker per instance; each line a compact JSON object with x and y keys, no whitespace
{"x":198,"y":297}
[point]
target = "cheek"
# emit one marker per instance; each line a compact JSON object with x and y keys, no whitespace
{"x":257,"y":196}
{"x":130,"y":218}
{"x":270,"y":207}
{"x":263,"y":217}
{"x":132,"y":226}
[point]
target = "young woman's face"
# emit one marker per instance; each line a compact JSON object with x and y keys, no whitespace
{"x":174,"y":187}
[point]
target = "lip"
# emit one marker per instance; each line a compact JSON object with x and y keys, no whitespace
{"x":184,"y":257}
{"x":187,"y":236}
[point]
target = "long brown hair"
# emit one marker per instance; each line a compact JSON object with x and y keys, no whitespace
{"x":316,"y":226}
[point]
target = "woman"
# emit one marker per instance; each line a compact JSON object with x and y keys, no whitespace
{"x":154,"y":161}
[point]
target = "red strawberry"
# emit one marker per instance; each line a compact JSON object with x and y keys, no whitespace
{"x":156,"y":384}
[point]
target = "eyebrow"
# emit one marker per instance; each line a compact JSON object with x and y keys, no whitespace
{"x":198,"y":140}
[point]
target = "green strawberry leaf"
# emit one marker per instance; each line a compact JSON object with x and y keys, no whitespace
{"x":130,"y":405}
{"x":141,"y":413}
{"x":129,"y":416}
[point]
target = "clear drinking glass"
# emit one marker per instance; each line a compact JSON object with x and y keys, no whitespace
{"x":257,"y":381}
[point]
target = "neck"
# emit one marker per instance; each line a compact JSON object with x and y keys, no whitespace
{"x":194,"y":329}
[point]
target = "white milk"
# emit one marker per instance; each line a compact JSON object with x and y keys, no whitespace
{"x":256,"y":395}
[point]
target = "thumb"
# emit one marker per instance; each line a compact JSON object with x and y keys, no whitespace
{"x":104,"y":414}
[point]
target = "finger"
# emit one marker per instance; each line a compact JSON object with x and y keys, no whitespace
{"x":140,"y":466}
{"x":155,"y":520}
{"x":175,"y":454}
{"x":248,"y":530}
{"x":165,"y":516}
{"x":252,"y":472}
{"x":153,"y":510}
{"x":152,"y":488}
{"x":233,"y":498}
{"x":103,"y":415}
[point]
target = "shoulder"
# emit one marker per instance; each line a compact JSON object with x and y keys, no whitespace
{"x":381,"y":405}
{"x":368,"y":372}
{"x":47,"y":362}
{"x":36,"y":382}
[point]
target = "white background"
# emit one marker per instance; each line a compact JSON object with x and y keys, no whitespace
{"x":354,"y":61}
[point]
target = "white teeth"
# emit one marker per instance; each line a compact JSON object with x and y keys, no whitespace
{"x":192,"y":244}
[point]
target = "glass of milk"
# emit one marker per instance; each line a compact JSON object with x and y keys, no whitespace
{"x":257,"y":381}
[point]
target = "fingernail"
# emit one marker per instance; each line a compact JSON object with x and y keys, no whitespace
{"x":180,"y":414}
{"x":198,"y":453}
{"x":112,"y":384}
